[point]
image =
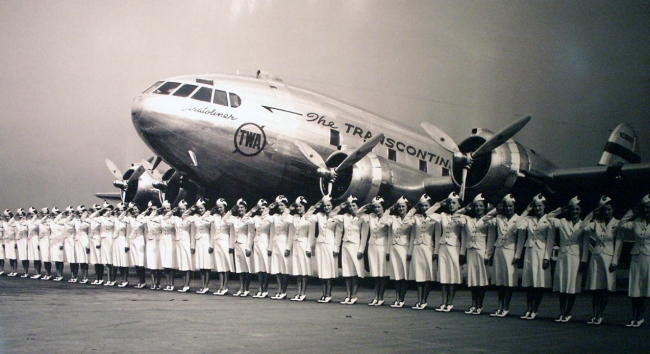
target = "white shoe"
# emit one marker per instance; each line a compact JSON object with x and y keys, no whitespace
{"x":184,"y":289}
{"x":239,"y":292}
{"x":352,"y":301}
{"x":346,"y":301}
{"x":448,"y":308}
{"x":83,"y":281}
{"x":35,"y":276}
{"x":470,"y":310}
{"x":25,"y":275}
{"x":503,"y":313}
{"x":373,"y":303}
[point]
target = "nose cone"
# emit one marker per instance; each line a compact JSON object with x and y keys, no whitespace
{"x":136,"y":108}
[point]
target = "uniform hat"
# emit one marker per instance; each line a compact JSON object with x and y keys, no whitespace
{"x":574,"y":201}
{"x":69,"y":209}
{"x":508,"y":198}
{"x":402,"y":200}
{"x":479,"y":198}
{"x":120,"y":206}
{"x":539,"y":198}
{"x":301,"y":200}
{"x":131,"y":205}
{"x":326,"y":198}
{"x":453,"y":195}
{"x":32,"y":210}
{"x":604,"y":200}
{"x":150,"y":204}
{"x":425,"y":198}
{"x":166,"y":204}
{"x":107,"y":205}
{"x":201,"y":202}
{"x":377,"y":200}
{"x":221,"y":202}
{"x":20,"y":211}
{"x":7,"y":213}
{"x":81,"y":208}
{"x":96,"y":207}
{"x":56,"y":210}
{"x":241,"y":201}
{"x":45,"y":210}
{"x":646,"y":199}
{"x":279,"y":199}
{"x":182,"y":203}
{"x":352,"y":199}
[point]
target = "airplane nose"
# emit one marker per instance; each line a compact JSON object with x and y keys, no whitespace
{"x":136,"y":107}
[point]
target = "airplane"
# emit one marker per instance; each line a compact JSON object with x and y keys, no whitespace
{"x":254,"y":136}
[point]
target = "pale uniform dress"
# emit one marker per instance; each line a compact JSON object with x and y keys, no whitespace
{"x":474,"y":247}
{"x":136,"y":238}
{"x":68,"y":242}
{"x":304,"y":232}
{"x":152,"y":235}
{"x":184,"y":244}
{"x":33,"y":253}
{"x":352,"y":242}
{"x":167,"y":244}
{"x":502,"y":242}
{"x":447,"y":247}
{"x":599,"y":243}
{"x":81,"y":240}
{"x":219,"y":232}
{"x":239,"y":244}
{"x":44,"y":233}
{"x":9,"y":236}
{"x":421,"y":249}
{"x":259,"y":229}
{"x":328,"y":227}
{"x":377,"y":246}
{"x":567,"y":279}
{"x":95,"y":240}
{"x":56,"y":240}
{"x":201,"y":231}
{"x":278,"y":240}
{"x":399,"y":233}
{"x":2,"y":240}
{"x":21,"y":239}
{"x":120,"y":257}
{"x":639,"y":281}
{"x":536,"y":236}
{"x":106,"y":234}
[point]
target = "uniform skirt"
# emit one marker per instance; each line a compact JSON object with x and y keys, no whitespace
{"x":106,"y":250}
{"x":80,"y":247}
{"x":22,"y":249}
{"x":120,"y":257}
{"x":184,"y":255}
{"x":221,"y":256}
{"x":377,"y":260}
{"x":503,"y":271}
{"x":398,"y":265}
{"x":95,"y":254}
{"x":448,"y":265}
{"x":477,"y":274}
{"x":279,"y":263}
{"x":137,"y":251}
{"x":241,"y":263}
{"x":422,"y":268}
{"x":44,"y":251}
{"x":598,"y":275}
{"x":639,"y":276}
{"x":153,"y":254}
{"x":56,"y":253}
{"x":325,"y":261}
{"x":350,"y":264}
{"x":534,"y":275}
{"x":567,"y":279}
{"x":167,"y":252}
{"x":260,"y":261}
{"x":10,"y":249}
{"x":32,"y":249}
{"x":300,"y":263}
{"x":2,"y":249}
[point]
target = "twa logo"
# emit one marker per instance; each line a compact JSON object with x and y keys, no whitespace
{"x":250,"y":139}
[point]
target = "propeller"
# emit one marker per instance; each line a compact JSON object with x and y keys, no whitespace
{"x":122,"y":180}
{"x":466,"y":158}
{"x":331,"y":173}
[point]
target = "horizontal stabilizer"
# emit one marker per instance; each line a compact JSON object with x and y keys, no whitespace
{"x":109,"y":196}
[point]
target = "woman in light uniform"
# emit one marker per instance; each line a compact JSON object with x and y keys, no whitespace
{"x":135,"y":226}
{"x":353,"y":239}
{"x":44,"y":233}
{"x":68,"y":243}
{"x":9,"y":236}
{"x":32,"y":241}
{"x":377,"y":248}
{"x":95,"y":256}
{"x":82,"y":242}
{"x":259,"y":229}
{"x":535,"y":233}
{"x":107,"y":228}
{"x":185,"y":245}
{"x":219,"y":242}
{"x":599,"y":242}
{"x":120,"y":253}
{"x":301,"y":245}
{"x":57,"y":238}
{"x":278,"y":240}
{"x":397,"y":256}
{"x":636,"y":226}
{"x":502,"y":241}
{"x":2,"y":246}
{"x":447,"y":248}
{"x":326,"y":254}
{"x":152,"y":236}
{"x":239,"y":247}
{"x":167,"y":245}
{"x":420,"y":251}
{"x":21,"y":240}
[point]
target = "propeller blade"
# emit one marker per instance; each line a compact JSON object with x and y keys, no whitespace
{"x":154,"y":173}
{"x":462,"y":186}
{"x":502,"y":136}
{"x":113,"y":168}
{"x":359,"y":153}
{"x":440,"y":137}
{"x":310,"y":154}
{"x":138,"y":170}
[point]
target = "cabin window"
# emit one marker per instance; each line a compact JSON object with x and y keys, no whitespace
{"x":235,"y":101}
{"x":220,"y":97}
{"x":392,"y":155}
{"x":167,"y":88}
{"x":185,"y":90}
{"x":335,"y":137}
{"x":153,"y":87}
{"x":203,"y":94}
{"x":423,"y":166}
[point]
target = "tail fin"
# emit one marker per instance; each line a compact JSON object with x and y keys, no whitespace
{"x":621,"y":148}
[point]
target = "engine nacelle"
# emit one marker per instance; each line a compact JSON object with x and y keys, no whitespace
{"x":140,"y":191}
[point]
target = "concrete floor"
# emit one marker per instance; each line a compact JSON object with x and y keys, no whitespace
{"x":47,"y":317}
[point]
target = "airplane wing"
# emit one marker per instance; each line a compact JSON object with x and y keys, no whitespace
{"x":109,"y":196}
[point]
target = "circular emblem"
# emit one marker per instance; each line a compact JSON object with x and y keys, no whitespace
{"x":249,"y":139}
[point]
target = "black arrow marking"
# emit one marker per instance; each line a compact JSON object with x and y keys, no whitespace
{"x":270,"y":109}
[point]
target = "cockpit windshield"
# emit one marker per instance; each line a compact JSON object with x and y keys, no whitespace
{"x":196,"y":92}
{"x":167,"y":88}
